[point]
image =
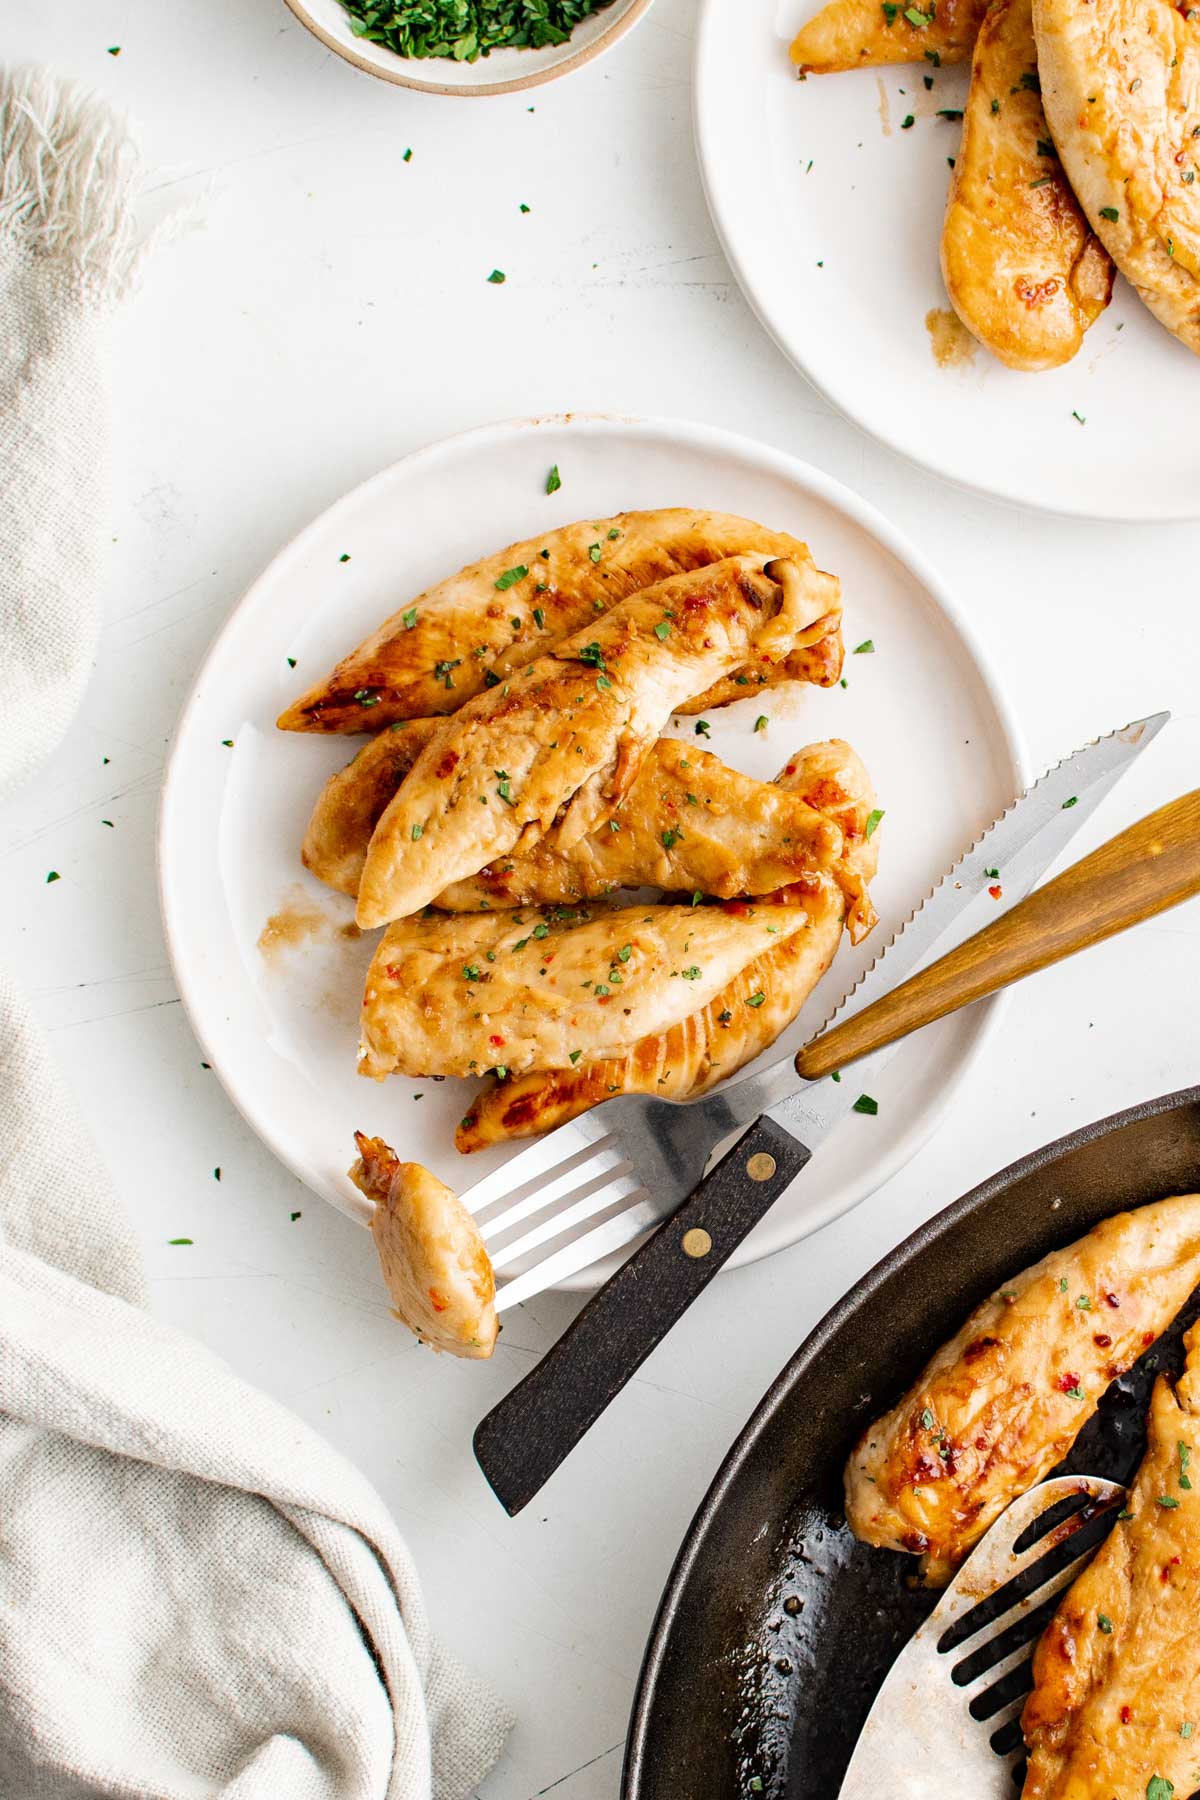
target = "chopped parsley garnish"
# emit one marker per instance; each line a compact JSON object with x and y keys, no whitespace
{"x":511,"y":577}
{"x":703,"y":729}
{"x":539,"y":618}
{"x":874,"y":820}
{"x":594,"y":552}
{"x":291,"y":662}
{"x":1168,"y":1501}
{"x":417,"y":832}
{"x":907,"y":122}
{"x":1159,"y":1788}
{"x":865,"y":1104}
{"x":1041,"y":181}
{"x":1110,"y":213}
{"x":995,"y":106}
{"x":1084,"y":1303}
{"x":575,"y":1055}
{"x":670,"y":838}
{"x":662,"y":630}
{"x":916,"y":17}
{"x":593,"y":654}
{"x":755,"y":999}
{"x":1030,"y":82}
{"x":1073,"y":801}
{"x":1105,"y":1623}
{"x":613,"y":535}
{"x":1186,"y":1729}
{"x":504,"y":788}
{"x":53,"y":876}
{"x":344,"y":557}
{"x":553,"y":480}
{"x":866,"y":648}
{"x":497,"y":277}
{"x":761,"y":723}
{"x":409,"y":619}
{"x":692,"y":974}
{"x":470,"y":972}
{"x":890,"y":11}
{"x":541,"y":931}
{"x":1079,"y":417}
{"x":1075,"y":1392}
{"x":949,"y":112}
{"x":624,"y":953}
{"x":928,"y":1420}
{"x":368,"y":697}
{"x":1046,"y":148}
{"x":1185,"y":1457}
{"x":179,"y":1240}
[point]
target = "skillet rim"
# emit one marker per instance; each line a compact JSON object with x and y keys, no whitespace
{"x":739,"y":1453}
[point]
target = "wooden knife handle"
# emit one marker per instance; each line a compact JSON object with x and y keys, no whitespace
{"x":1153,"y":865}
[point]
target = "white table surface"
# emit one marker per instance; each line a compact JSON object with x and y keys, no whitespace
{"x":329,"y":312}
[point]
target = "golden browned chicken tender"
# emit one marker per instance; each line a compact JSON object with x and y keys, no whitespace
{"x":433,"y":1259}
{"x":497,"y":615}
{"x":461,"y":993}
{"x":1023,"y":270}
{"x":688,"y":823}
{"x":1115,"y":1707}
{"x":1005,"y":1399}
{"x":1121,"y":88}
{"x":861,"y":34}
{"x":558,"y":746}
{"x":740,"y":1021}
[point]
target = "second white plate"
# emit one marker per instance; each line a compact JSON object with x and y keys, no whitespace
{"x":830,"y":213}
{"x":280,"y":1026}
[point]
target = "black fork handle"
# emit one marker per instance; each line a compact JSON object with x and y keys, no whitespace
{"x":524,"y":1438}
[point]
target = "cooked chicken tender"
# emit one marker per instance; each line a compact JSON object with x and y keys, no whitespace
{"x":558,"y":746}
{"x":452,"y":641}
{"x":467,"y":992}
{"x":1023,"y":270}
{"x":861,"y":34}
{"x":433,"y":1259}
{"x":689,"y":823}
{"x":1116,"y":1675}
{"x":739,"y":1022}
{"x":1121,"y":89}
{"x":1005,"y":1399}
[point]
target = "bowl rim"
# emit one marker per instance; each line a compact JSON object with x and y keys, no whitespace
{"x":616,"y":29}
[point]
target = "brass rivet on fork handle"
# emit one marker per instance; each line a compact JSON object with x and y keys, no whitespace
{"x":761,"y":1167}
{"x":695,"y":1242}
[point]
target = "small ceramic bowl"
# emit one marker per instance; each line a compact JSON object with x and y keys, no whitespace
{"x":503,"y":72}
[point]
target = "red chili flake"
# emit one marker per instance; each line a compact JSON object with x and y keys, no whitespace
{"x":1066,"y":1382}
{"x":1111,"y":1300}
{"x":1147,"y":1337}
{"x":915,"y":1541}
{"x":981,"y":1443}
{"x":1102,"y":1338}
{"x":436,"y":1301}
{"x":1126,"y":1715}
{"x":497,"y":1040}
{"x":997,"y":892}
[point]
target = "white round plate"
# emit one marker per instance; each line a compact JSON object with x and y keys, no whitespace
{"x":281,"y":1030}
{"x":500,"y":72}
{"x":830,"y":214}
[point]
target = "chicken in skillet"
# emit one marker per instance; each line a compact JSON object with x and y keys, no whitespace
{"x":1115,"y":1707}
{"x":1005,"y":1399}
{"x":495,"y":616}
{"x":556,"y":748}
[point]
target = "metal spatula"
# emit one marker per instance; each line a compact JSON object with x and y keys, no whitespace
{"x":948,"y":1718}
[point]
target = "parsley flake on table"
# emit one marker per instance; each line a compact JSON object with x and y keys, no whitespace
{"x":866,"y":648}
{"x":703,"y":728}
{"x":179,"y":1240}
{"x":53,"y":876}
{"x":407,"y":157}
{"x":874,"y":820}
{"x":865,"y":1104}
{"x":344,"y":557}
{"x":907,"y":122}
{"x":1073,"y":801}
{"x":553,"y":480}
{"x":497,"y":277}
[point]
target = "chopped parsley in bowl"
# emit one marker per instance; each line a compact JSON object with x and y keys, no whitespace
{"x":465,"y":30}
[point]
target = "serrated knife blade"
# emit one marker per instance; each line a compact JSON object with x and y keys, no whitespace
{"x":1013,"y":854}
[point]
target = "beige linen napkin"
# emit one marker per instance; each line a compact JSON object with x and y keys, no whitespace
{"x":198,"y":1596}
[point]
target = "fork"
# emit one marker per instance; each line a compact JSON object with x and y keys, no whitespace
{"x":947,"y":1719}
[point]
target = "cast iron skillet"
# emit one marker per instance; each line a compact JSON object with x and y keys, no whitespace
{"x":776,"y":1627}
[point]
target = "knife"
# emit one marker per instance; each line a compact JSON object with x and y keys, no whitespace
{"x":523,"y":1439}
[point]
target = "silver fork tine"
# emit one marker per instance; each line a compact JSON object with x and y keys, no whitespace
{"x":607,"y":1156}
{"x":612,"y":1235}
{"x":549,"y":1152}
{"x":587,"y":1208}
